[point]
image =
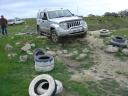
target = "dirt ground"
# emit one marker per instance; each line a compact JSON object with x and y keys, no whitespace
{"x":107,"y":66}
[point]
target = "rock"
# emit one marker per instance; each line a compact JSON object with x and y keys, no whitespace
{"x":81,"y":56}
{"x":85,"y":50}
{"x":75,"y":52}
{"x":29,"y":52}
{"x":8,"y":48}
{"x":12,"y":55}
{"x":111,"y":49}
{"x":125,"y":51}
{"x":23,"y":58}
{"x":33,"y":45}
{"x":59,"y":52}
{"x":47,"y":48}
{"x":26,"y":47}
{"x":41,"y":37}
{"x":68,"y":55}
{"x":20,"y":34}
{"x":51,"y":53}
{"x":65,"y":51}
{"x":18,"y":43}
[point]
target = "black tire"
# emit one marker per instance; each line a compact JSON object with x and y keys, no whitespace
{"x":54,"y":37}
{"x":37,"y":53}
{"x":119,"y":41}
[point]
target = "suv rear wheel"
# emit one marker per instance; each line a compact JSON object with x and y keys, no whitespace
{"x":54,"y":37}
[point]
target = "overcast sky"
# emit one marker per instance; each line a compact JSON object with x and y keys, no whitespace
{"x":29,"y":8}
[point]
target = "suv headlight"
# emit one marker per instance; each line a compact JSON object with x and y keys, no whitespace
{"x":83,"y":23}
{"x":63,"y":25}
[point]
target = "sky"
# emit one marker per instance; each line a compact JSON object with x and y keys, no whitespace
{"x":29,"y":8}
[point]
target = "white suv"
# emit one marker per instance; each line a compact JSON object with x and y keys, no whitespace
{"x":60,"y":23}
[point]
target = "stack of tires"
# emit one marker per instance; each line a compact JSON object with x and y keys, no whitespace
{"x":43,"y":62}
{"x":119,"y":41}
{"x":104,"y":33}
{"x":45,"y":85}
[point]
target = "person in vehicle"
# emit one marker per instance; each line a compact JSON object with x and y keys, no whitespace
{"x":3,"y":24}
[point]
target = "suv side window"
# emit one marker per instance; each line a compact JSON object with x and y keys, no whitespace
{"x":45,"y":16}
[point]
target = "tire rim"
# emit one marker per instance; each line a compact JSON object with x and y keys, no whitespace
{"x":54,"y":37}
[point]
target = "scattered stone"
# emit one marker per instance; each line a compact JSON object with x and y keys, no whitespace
{"x":51,"y":53}
{"x":85,"y":50}
{"x":8,"y":48}
{"x":65,"y":51}
{"x":20,"y":34}
{"x":18,"y":43}
{"x":59,"y":52}
{"x":47,"y":48}
{"x":111,"y":49}
{"x":68,"y":55}
{"x":81,"y":56}
{"x":75,"y":52}
{"x":29,"y":52}
{"x":23,"y":58}
{"x":12,"y":55}
{"x":41,"y":37}
{"x":125,"y":51}
{"x":26,"y":47}
{"x":33,"y":45}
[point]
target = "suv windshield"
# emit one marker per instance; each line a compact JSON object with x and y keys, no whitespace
{"x":59,"y":13}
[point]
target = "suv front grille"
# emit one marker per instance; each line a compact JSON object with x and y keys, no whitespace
{"x":73,"y":23}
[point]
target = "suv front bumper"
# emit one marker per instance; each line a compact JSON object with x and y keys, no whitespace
{"x":72,"y":31}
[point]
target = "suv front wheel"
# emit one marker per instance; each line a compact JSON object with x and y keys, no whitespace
{"x":55,"y":38}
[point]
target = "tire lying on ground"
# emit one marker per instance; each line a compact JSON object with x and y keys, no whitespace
{"x":119,"y":41}
{"x":44,"y":63}
{"x":38,"y":52}
{"x":59,"y":87}
{"x":104,"y":32}
{"x":45,"y":82}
